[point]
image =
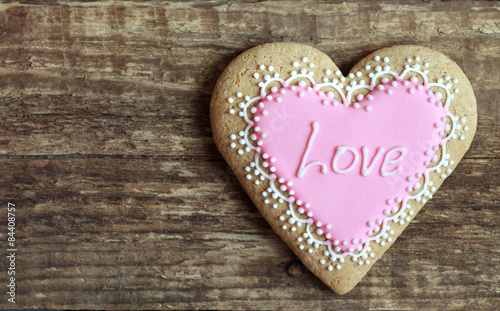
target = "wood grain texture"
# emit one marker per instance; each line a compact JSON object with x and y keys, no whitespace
{"x":124,"y":202}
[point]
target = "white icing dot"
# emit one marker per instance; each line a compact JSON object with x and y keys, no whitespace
{"x":256,"y":75}
{"x":231,"y":111}
{"x":304,"y":59}
{"x":389,"y":91}
{"x":271,"y":68}
{"x":328,"y":72}
{"x":311,"y":65}
{"x":377,"y":58}
{"x":463,"y":119}
{"x":417,"y":58}
{"x":368,"y":108}
{"x":359,"y":73}
{"x":367,"y":67}
{"x":295,"y":64}
{"x":462,"y":137}
{"x":386,"y":59}
{"x":455,"y":80}
{"x":240,"y":151}
{"x":456,"y":90}
{"x":230,"y":100}
{"x":426,"y":64}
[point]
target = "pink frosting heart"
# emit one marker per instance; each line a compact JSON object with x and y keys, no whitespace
{"x":324,"y":152}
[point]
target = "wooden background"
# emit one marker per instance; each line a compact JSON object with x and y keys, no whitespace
{"x":123,"y":200}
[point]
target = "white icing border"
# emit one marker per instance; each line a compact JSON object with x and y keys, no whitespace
{"x":382,"y":229}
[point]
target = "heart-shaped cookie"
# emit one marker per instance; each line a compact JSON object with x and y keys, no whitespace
{"x":338,"y":165}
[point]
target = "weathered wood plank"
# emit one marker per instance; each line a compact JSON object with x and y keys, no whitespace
{"x":124,"y":202}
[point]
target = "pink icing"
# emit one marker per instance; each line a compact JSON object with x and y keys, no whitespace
{"x":399,"y":116}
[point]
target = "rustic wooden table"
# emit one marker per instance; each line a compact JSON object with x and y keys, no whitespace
{"x":123,"y":201}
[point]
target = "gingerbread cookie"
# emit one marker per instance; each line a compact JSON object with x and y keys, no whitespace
{"x":339,"y":165}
